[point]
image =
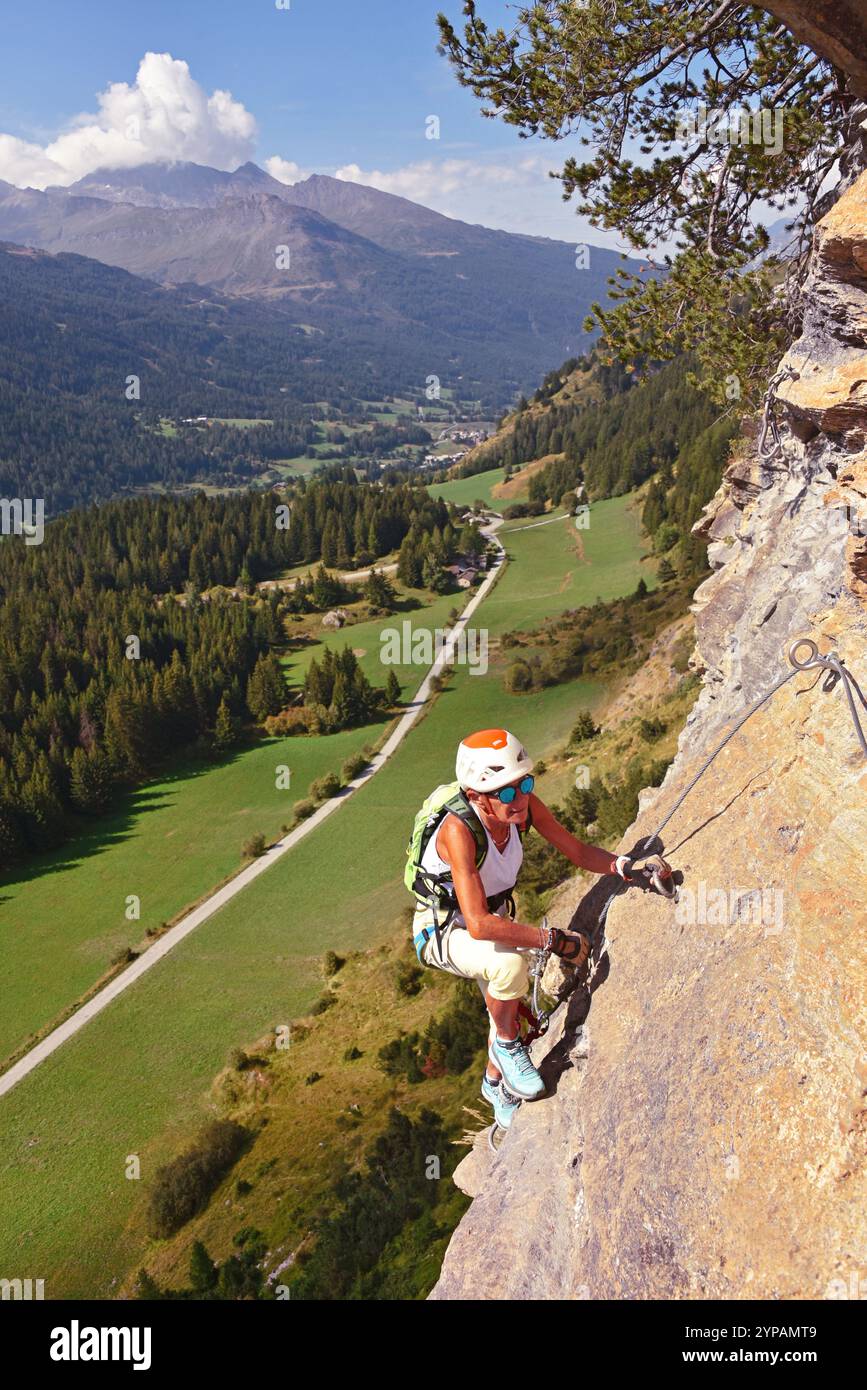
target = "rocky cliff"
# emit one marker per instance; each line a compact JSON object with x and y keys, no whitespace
{"x":705,"y":1132}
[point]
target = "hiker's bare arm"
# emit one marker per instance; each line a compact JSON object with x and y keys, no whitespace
{"x":458,"y":848}
{"x":598,"y":861}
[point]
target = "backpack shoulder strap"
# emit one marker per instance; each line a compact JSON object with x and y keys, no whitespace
{"x":459,"y":806}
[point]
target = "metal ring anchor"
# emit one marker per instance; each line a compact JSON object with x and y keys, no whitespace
{"x":813,"y":660}
{"x":836,"y":670}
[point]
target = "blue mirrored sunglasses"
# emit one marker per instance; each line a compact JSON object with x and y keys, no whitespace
{"x":508,"y":794}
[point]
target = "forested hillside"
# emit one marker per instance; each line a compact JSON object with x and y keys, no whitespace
{"x":75,"y":427}
{"x":393,"y":290}
{"x":602,"y":430}
{"x":113,"y":657}
{"x":72,"y":332}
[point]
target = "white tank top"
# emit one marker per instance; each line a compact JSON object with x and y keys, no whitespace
{"x":499,"y":869}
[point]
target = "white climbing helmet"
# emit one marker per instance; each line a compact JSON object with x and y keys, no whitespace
{"x":491,"y":759}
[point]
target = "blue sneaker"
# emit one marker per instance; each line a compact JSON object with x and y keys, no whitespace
{"x":505,"y":1104}
{"x":519,"y":1074}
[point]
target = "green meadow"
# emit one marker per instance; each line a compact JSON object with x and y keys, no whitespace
{"x":168,"y":843}
{"x":366,"y":638}
{"x":555,"y":567}
{"x":465,"y":491}
{"x":137,"y":1075}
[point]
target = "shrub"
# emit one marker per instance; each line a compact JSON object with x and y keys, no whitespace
{"x":313,"y":1078}
{"x":519,"y":678}
{"x":408,"y":977}
{"x":399,"y":1058}
{"x":680,"y":656}
{"x":353,"y":767}
{"x":287,"y":722}
{"x":238,"y":1059}
{"x":325,"y":1001}
{"x":242,"y":1187}
{"x":449,"y":1044}
{"x":304,"y":809}
{"x":331,"y":963}
{"x":182,"y":1187}
{"x":352,"y":1054}
{"x":325,"y":787}
{"x":652,"y":729}
{"x":254,"y":847}
{"x":664,"y":537}
{"x":125,"y":957}
{"x":584,"y":728}
{"x":666,"y":572}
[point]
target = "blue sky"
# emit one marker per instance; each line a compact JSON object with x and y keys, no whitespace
{"x":326,"y":86}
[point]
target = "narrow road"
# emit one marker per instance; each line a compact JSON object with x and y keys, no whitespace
{"x":206,"y":909}
{"x":534,"y":524}
{"x":347,"y":576}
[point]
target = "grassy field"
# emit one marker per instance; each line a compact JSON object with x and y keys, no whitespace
{"x":239,"y":424}
{"x":67,"y":1212}
{"x":295,"y":468}
{"x":314,"y":1133}
{"x":464,"y":491}
{"x":64,"y":1199}
{"x":365,"y":638}
{"x":305,"y":571}
{"x":563,"y":568}
{"x":168,"y":843}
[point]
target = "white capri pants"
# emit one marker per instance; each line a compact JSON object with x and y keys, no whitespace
{"x":498,"y":970}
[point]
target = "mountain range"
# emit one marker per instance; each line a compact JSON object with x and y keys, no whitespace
{"x":489,"y":309}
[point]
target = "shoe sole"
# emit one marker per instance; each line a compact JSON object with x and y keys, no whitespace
{"x":522,"y":1095}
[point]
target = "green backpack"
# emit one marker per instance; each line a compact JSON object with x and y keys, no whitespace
{"x":446,"y":799}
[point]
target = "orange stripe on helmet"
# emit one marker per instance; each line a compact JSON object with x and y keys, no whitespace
{"x":487,"y":738}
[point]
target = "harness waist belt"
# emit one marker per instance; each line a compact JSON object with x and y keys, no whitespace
{"x":494,"y":903}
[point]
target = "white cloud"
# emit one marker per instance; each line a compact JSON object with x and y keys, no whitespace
{"x":163,"y":115}
{"x":285,"y":170}
{"x":430,"y":180}
{"x":512,"y":192}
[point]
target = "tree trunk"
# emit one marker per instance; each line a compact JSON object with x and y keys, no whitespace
{"x":835,"y":29}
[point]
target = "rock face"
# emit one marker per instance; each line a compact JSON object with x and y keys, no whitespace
{"x":706,"y":1131}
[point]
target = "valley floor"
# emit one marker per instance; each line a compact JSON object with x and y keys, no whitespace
{"x":140,"y":1073}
